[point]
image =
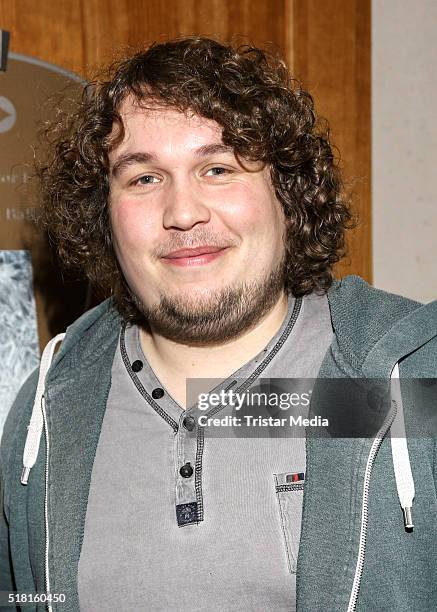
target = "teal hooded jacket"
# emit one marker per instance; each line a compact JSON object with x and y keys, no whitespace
{"x":355,"y":552}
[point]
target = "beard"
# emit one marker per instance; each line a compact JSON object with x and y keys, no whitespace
{"x":216,"y":318}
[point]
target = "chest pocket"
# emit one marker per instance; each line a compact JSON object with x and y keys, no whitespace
{"x":289,"y":494}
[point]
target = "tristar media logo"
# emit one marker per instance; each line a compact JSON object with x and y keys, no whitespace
{"x":8,"y":115}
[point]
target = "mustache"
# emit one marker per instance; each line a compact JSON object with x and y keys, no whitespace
{"x":180,"y":241}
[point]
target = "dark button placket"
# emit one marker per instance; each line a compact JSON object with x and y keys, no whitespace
{"x":185,"y":474}
{"x":186,"y":470}
{"x":186,"y":455}
{"x":158,"y":393}
{"x":189,"y":423}
{"x":137,"y":365}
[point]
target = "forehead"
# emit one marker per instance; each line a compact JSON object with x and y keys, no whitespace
{"x":161,"y":124}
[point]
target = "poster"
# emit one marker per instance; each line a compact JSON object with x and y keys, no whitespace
{"x":19,"y":351}
{"x":31,"y":292}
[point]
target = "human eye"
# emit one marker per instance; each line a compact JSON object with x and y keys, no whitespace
{"x":145,"y":179}
{"x":217,"y":171}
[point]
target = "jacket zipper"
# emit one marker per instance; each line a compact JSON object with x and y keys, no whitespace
{"x":365,"y":507}
{"x":46,"y":514}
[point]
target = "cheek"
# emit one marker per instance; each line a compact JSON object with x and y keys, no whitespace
{"x":258,"y":216}
{"x":131,"y":227}
{"x":243,"y":208}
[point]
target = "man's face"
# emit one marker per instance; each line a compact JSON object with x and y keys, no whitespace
{"x":198,"y":236}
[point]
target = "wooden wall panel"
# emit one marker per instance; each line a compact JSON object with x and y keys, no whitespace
{"x":82,"y":34}
{"x":144,"y":22}
{"x":50,"y":31}
{"x":331,"y":55}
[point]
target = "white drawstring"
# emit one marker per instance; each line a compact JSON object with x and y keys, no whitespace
{"x":399,"y":449}
{"x":36,"y":422}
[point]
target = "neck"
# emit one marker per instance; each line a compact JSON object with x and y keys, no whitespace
{"x":173,"y":362}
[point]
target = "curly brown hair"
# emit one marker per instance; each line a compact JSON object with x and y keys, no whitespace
{"x":265,"y":115}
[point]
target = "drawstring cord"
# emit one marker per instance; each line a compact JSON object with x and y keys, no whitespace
{"x":35,"y":426}
{"x":399,"y":449}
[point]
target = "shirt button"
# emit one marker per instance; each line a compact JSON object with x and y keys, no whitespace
{"x":157,"y":393}
{"x":189,"y":423}
{"x":137,"y":365}
{"x":186,"y":470}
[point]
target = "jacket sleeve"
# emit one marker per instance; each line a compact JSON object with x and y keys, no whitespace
{"x":6,"y":578}
{"x":14,"y":431}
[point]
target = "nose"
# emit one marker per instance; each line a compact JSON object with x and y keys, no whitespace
{"x":184,"y":207}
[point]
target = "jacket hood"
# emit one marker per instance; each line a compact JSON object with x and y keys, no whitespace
{"x":375,"y":329}
{"x":87,"y":338}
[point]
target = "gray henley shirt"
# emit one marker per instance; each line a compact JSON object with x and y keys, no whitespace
{"x":224,"y":535}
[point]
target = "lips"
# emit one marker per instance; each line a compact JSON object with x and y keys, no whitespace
{"x":194,"y":252}
{"x":195,"y":257}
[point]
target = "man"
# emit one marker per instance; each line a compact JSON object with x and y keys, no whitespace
{"x":196,"y":185}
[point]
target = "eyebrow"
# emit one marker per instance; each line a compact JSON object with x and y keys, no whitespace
{"x":128,"y":159}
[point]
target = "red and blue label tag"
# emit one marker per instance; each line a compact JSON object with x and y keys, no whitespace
{"x":295,"y":477}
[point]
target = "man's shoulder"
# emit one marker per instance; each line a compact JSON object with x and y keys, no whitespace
{"x":365,"y":318}
{"x":85,"y":340}
{"x":352,"y":294}
{"x":88,"y":337}
{"x":98,"y":320}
